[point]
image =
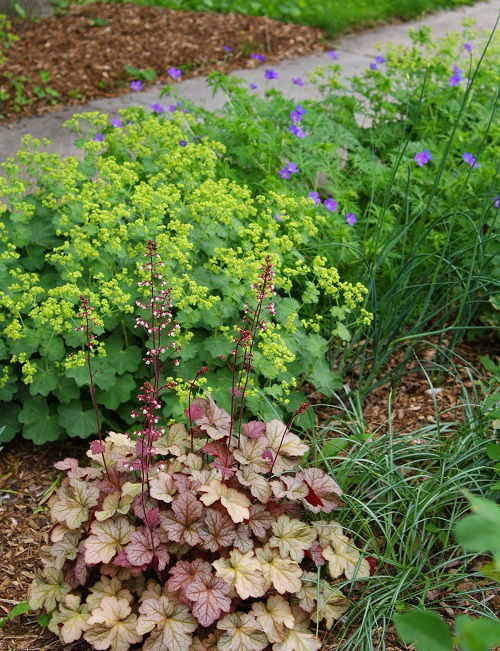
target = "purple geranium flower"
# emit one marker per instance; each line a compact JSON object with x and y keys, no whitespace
{"x":300,"y":109}
{"x":295,"y":130}
{"x":183,"y":143}
{"x":468,"y":47}
{"x":351,"y":218}
{"x":333,"y":54}
{"x":298,"y":81}
{"x":456,"y":77}
{"x":175,"y":73}
{"x":278,"y":216}
{"x":226,"y":48}
{"x":252,"y":85}
{"x":285,"y":173}
{"x":315,"y":197}
{"x":115,"y":122}
{"x":373,"y":66}
{"x":422,"y":157}
{"x":291,"y":167}
{"x":330,"y":204}
{"x":157,"y":108}
{"x":496,"y":202}
{"x":470,"y":159}
{"x":258,"y":57}
{"x":98,"y":137}
{"x":379,"y":59}
{"x":271,"y":74}
{"x":136,"y":85}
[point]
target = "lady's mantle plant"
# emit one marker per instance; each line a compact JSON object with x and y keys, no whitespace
{"x":197,"y":536}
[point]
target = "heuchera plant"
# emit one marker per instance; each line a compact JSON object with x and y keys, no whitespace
{"x":199,"y":535}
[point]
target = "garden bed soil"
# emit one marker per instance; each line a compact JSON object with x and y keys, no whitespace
{"x":82,"y":55}
{"x":27,"y":472}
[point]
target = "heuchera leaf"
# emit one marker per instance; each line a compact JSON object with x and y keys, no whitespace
{"x":344,"y":557}
{"x":260,"y":520}
{"x":298,"y":638}
{"x":184,"y":572}
{"x":273,"y":616}
{"x":73,"y":502}
{"x":182,"y":523}
{"x":107,"y":587}
{"x":112,"y":624}
{"x":241,"y":631}
{"x":282,"y":573}
{"x":259,"y":485}
{"x":70,"y":620}
{"x":144,"y":546}
{"x":106,"y":539}
{"x":321,"y":490}
{"x":172,"y":625}
{"x":292,"y":537}
{"x":216,"y":422}
{"x":236,"y":503}
{"x":47,"y":589}
{"x":162,"y":487}
{"x":243,"y":571}
{"x":218,"y":530}
{"x":211,"y":598}
{"x":254,"y":429}
{"x":287,"y":446}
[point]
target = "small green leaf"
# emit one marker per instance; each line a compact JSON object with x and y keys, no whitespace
{"x":479,"y":532}
{"x":332,"y":447}
{"x":477,"y":633}
{"x":493,"y":451}
{"x":124,"y":359}
{"x":119,"y":393}
{"x":18,"y":609}
{"x":425,"y":629}
{"x":44,"y":380}
{"x":76,"y":420}
{"x":40,"y":425}
{"x":324,"y":379}
{"x":66,"y":390}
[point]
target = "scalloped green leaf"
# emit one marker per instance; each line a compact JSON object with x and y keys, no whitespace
{"x":40,"y":425}
{"x":77,"y":420}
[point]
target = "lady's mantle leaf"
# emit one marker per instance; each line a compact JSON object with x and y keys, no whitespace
{"x":242,"y":571}
{"x":217,"y":531}
{"x":182,"y":524}
{"x":112,"y":625}
{"x":106,"y":539}
{"x":298,"y":638}
{"x":344,"y":557}
{"x":171,"y":625}
{"x":236,"y":503}
{"x":292,"y":537}
{"x":70,"y":620}
{"x":74,"y":499}
{"x":273,"y":616}
{"x":47,"y":589}
{"x":321,"y":489}
{"x":283,"y":444}
{"x":184,"y":572}
{"x":162,"y":487}
{"x":283,"y":573}
{"x":211,"y":598}
{"x":241,"y":633}
{"x":216,"y":422}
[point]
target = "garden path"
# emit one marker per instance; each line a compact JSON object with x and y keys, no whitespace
{"x":355,"y":52}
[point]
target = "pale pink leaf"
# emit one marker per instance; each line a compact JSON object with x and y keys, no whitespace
{"x":260,"y":520}
{"x":322,"y":490}
{"x":211,"y":598}
{"x":216,"y":422}
{"x":254,"y":429}
{"x":217,"y":531}
{"x":183,"y":572}
{"x":182,"y":523}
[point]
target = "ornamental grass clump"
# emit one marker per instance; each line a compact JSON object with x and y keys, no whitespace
{"x":200,"y":535}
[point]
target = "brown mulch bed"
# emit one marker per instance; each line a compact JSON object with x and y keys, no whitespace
{"x":85,"y":51}
{"x":26,"y":472}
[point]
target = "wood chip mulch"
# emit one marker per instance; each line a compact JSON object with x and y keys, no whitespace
{"x":26,"y":472}
{"x":85,"y":51}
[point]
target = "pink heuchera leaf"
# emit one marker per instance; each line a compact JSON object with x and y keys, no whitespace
{"x":140,"y":548}
{"x":67,"y":464}
{"x":254,"y":429}
{"x":216,"y":422}
{"x":185,"y":483}
{"x":315,"y":552}
{"x":121,"y":560}
{"x":141,"y":509}
{"x":182,"y":523}
{"x":218,"y":530}
{"x":153,"y":517}
{"x":268,"y":456}
{"x":224,"y":459}
{"x":96,"y":447}
{"x":211,"y":598}
{"x":195,"y":412}
{"x":184,"y":572}
{"x":260,"y":520}
{"x":322,"y":489}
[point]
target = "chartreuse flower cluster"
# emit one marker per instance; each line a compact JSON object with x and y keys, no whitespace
{"x":218,"y":549}
{"x":72,"y":228}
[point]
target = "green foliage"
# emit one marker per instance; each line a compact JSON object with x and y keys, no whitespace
{"x":19,"y":609}
{"x":79,"y":228}
{"x":333,"y":16}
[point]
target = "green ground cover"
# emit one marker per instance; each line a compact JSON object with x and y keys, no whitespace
{"x":334,"y":16}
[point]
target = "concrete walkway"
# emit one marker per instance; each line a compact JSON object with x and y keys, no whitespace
{"x":355,"y":52}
